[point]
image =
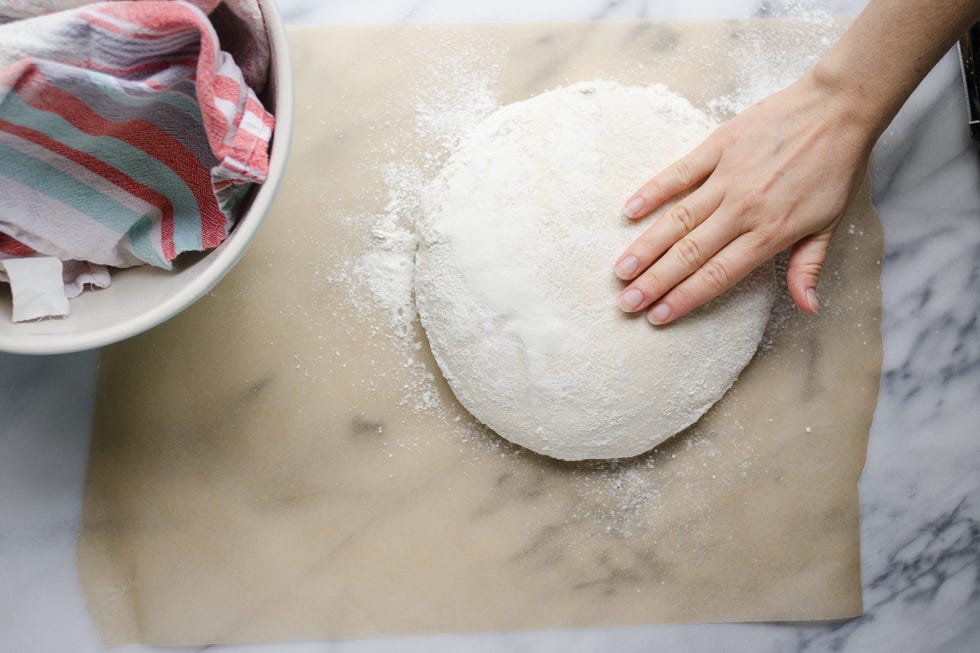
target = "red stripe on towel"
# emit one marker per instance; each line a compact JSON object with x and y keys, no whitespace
{"x":109,"y":173}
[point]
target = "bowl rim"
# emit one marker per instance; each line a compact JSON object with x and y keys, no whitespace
{"x":225,"y":257}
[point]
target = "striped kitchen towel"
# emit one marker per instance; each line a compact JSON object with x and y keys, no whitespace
{"x":128,"y":130}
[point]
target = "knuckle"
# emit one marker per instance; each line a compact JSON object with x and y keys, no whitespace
{"x":683,"y":174}
{"x":689,"y":252}
{"x":717,"y":275}
{"x":681,"y":217}
{"x":811,"y":269}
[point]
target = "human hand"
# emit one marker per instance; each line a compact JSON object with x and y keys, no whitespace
{"x":780,"y":174}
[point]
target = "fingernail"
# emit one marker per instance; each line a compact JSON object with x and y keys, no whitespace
{"x":630,"y":299}
{"x":627,"y":267}
{"x":811,"y":299}
{"x":659,"y":314}
{"x":633,"y":207}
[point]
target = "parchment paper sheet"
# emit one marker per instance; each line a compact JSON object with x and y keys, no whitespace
{"x":253,"y":475}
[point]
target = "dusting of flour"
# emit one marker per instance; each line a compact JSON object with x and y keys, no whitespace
{"x":453,"y":95}
{"x":762,"y":69}
{"x":458,"y":93}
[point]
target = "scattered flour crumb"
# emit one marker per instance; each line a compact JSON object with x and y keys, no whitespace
{"x":767,"y":69}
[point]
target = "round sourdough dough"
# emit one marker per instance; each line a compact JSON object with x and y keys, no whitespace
{"x":514,"y":281}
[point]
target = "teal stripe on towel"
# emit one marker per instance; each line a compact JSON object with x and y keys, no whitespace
{"x":144,"y":246}
{"x":65,"y":189}
{"x":134,"y":162}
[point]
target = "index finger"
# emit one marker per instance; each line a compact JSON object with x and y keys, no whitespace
{"x":683,"y":174}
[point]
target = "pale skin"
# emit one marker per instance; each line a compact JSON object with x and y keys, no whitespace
{"x":782,"y":173}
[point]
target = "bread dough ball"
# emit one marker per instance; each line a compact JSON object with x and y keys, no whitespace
{"x":515,"y":288}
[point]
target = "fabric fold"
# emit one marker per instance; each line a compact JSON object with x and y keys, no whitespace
{"x":128,"y":133}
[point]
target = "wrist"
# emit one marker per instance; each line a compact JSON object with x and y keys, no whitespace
{"x":850,"y":99}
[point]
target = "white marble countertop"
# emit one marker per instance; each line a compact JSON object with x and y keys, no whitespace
{"x":920,"y":490}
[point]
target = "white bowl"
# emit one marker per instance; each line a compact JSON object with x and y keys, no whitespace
{"x":140,"y":298}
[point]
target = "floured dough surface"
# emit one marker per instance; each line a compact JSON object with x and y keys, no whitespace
{"x":514,"y":281}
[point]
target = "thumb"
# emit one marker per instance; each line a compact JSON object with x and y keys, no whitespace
{"x":805,"y":262}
